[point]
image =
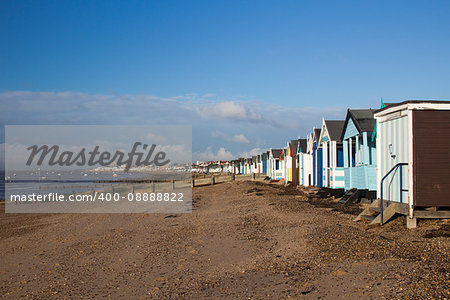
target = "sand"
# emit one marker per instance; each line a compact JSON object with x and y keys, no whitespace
{"x":243,"y":240}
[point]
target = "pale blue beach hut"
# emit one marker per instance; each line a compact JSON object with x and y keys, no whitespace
{"x":360,"y":159}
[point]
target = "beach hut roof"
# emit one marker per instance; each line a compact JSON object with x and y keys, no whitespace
{"x":294,"y":147}
{"x":334,"y":128}
{"x":303,"y":144}
{"x":389,"y":105}
{"x":276,"y":153}
{"x":362,"y":118}
{"x":317,"y":132}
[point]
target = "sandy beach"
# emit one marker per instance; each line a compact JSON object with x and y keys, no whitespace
{"x":244,"y":239}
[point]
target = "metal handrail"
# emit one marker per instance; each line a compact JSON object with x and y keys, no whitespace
{"x":401,"y":189}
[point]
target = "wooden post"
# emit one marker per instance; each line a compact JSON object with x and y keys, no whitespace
{"x":234,"y":177}
{"x":253,"y":176}
{"x":153,"y":186}
{"x":350,"y":161}
{"x":173,"y":184}
{"x":213,"y":180}
{"x":193,"y":182}
{"x":366,"y":160}
{"x":357,"y":152}
{"x":133,"y":190}
{"x":365,"y":149}
{"x":345,"y":146}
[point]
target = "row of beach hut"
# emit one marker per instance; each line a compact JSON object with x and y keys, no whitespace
{"x":399,"y":154}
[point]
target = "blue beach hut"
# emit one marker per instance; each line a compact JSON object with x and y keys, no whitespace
{"x":360,"y":160}
{"x":317,"y":159}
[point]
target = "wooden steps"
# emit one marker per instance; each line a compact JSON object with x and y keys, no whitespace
{"x":369,"y":218}
{"x":369,"y":211}
{"x":375,"y":209}
{"x":351,"y":196}
{"x":390,"y":209}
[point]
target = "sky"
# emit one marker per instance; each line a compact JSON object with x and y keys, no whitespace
{"x":247,"y":75}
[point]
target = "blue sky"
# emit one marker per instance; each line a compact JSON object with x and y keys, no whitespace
{"x":246,"y":74}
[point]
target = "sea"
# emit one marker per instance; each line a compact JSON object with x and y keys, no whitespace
{"x":44,"y":182}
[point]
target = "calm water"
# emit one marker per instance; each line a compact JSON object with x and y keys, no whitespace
{"x":26,"y":182}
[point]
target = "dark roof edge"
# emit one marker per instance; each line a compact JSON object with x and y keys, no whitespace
{"x":349,"y":115}
{"x":412,"y":101}
{"x":328,"y":129}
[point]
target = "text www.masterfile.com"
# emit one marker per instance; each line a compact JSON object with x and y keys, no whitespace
{"x":99,"y":196}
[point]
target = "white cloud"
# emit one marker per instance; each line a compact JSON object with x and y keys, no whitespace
{"x":177,"y":153}
{"x":230,"y":123}
{"x":254,"y":151}
{"x":23,"y":107}
{"x":218,"y":134}
{"x":17,"y":155}
{"x":223,"y":154}
{"x":26,"y":107}
{"x":156,"y":139}
{"x":240,"y":138}
{"x":208,"y":155}
{"x":229,"y":110}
